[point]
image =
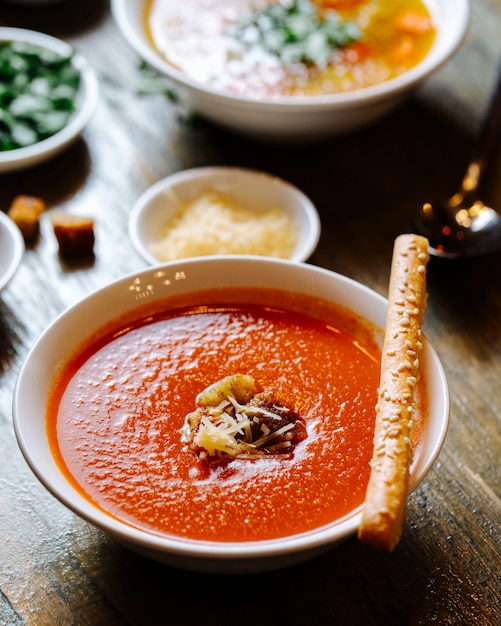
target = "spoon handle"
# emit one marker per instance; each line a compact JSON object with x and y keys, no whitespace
{"x":488,"y":139}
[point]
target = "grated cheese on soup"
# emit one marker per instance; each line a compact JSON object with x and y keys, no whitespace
{"x":236,"y":418}
{"x":213,"y":224}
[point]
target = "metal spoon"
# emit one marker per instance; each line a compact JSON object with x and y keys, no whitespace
{"x":464,"y":225}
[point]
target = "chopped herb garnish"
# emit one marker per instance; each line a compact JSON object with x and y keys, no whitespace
{"x":38,"y":89}
{"x":295,"y":31}
{"x":151,"y":82}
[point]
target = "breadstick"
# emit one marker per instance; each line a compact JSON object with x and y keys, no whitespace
{"x":386,"y":497}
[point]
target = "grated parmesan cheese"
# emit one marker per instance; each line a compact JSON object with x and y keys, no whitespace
{"x":213,"y":224}
{"x":236,"y":419}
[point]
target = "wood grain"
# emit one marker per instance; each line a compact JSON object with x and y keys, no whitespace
{"x":55,"y":569}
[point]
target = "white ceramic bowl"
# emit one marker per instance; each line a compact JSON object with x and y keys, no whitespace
{"x":87,"y":99}
{"x":11,"y":249}
{"x":152,"y":285}
{"x":250,"y":189}
{"x":299,"y":118}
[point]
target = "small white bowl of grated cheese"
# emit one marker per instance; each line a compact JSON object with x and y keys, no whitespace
{"x":218,"y":210}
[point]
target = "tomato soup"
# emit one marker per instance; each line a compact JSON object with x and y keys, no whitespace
{"x":118,"y":406}
{"x":223,"y":44}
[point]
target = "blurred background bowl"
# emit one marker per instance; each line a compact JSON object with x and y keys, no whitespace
{"x":86,"y":102}
{"x":152,"y":286}
{"x":295,"y":118}
{"x":11,"y":249}
{"x":250,"y":190}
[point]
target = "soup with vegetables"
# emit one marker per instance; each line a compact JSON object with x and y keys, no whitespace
{"x":270,"y":49}
{"x":119,"y":409}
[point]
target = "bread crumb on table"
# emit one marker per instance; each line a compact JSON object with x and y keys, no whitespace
{"x":25,"y":212}
{"x":74,"y":234}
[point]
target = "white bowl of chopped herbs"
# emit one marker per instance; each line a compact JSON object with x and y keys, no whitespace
{"x":48,"y":93}
{"x":293,"y":69}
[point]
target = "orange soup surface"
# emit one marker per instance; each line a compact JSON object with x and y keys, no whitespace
{"x":212,"y":43}
{"x":118,"y":406}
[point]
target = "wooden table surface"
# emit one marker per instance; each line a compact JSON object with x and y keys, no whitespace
{"x":56,"y":568}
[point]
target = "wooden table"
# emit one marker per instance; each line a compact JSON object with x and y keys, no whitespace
{"x":54,"y":567}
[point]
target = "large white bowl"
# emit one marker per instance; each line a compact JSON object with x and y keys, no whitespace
{"x":299,"y":118}
{"x":256,"y":191}
{"x":152,"y":285}
{"x":87,"y":99}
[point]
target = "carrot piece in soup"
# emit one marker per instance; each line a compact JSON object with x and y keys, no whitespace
{"x":403,"y":51}
{"x":413,"y":23}
{"x":354,"y":53}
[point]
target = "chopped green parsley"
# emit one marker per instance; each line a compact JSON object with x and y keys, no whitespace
{"x":38,"y":89}
{"x":295,"y":31}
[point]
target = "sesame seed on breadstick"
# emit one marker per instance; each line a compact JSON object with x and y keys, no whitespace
{"x":386,"y":497}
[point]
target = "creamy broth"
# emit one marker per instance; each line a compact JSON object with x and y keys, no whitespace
{"x":196,"y":37}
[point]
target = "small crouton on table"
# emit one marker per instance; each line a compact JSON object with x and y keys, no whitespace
{"x":25,"y":212}
{"x":74,"y":234}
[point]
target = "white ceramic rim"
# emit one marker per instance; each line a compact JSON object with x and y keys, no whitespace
{"x":87,"y":100}
{"x":302,"y":251}
{"x":437,"y":56}
{"x":15,"y":249}
{"x":350,"y":292}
